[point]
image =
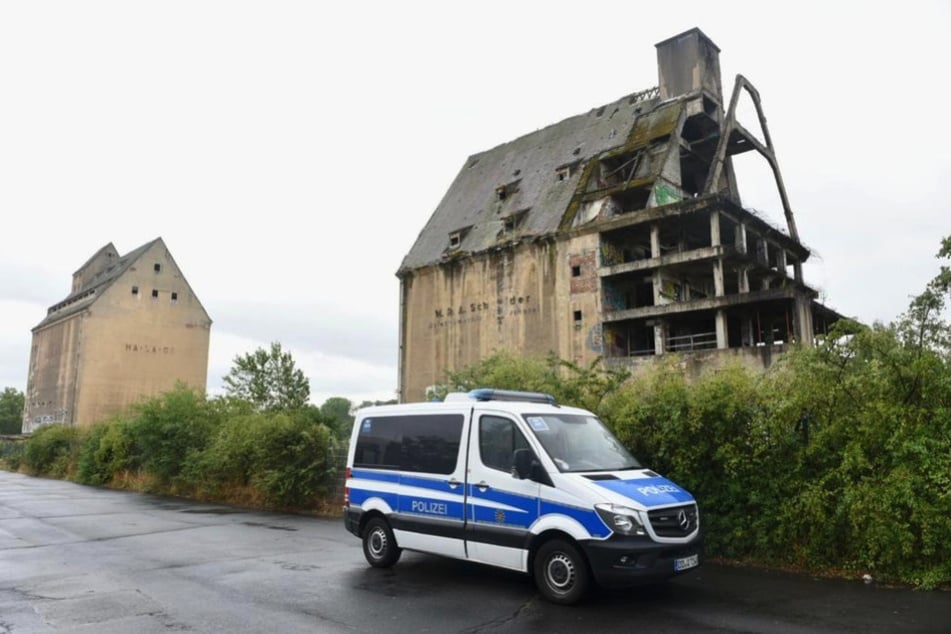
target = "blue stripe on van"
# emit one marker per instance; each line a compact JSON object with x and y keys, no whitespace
{"x":382,"y":476}
{"x":588,"y":518}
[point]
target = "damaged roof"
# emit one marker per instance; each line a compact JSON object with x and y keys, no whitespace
{"x":82,"y":298}
{"x":523,"y":189}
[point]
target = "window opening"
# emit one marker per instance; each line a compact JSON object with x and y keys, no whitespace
{"x":154,"y":293}
{"x":157,"y":268}
{"x":174,"y":298}
{"x":576,"y":271}
{"x":135,"y":290}
{"x":577,"y":316}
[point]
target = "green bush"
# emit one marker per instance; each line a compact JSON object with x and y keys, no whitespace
{"x":170,"y":432}
{"x":289,"y":458}
{"x":11,"y":453}
{"x":107,"y":451}
{"x":52,"y":450}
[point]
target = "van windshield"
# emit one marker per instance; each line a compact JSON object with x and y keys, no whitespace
{"x":577,"y":442}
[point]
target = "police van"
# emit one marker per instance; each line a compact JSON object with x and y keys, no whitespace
{"x":512,"y":479}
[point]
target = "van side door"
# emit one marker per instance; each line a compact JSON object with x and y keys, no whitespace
{"x":431,"y":507}
{"x":501,"y":507}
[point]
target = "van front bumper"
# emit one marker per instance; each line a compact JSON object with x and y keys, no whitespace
{"x":628,"y":561}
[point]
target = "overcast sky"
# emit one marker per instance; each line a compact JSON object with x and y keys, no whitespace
{"x":290,"y":152}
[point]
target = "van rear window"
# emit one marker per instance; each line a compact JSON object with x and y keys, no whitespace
{"x":420,"y":443}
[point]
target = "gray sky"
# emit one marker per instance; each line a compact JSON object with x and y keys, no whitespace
{"x":290,"y":152}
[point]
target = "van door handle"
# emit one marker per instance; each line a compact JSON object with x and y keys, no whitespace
{"x":483,"y":486}
{"x":453,"y":483}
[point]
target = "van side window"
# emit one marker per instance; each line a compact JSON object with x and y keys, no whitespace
{"x":421,"y":443}
{"x":498,"y":440}
{"x":431,"y":443}
{"x":378,"y":445}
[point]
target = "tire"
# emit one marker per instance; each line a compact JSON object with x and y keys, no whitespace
{"x":561,"y":572}
{"x":379,"y":545}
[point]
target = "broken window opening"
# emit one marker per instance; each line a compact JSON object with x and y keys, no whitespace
{"x":503,"y":192}
{"x":174,"y":297}
{"x":576,"y":271}
{"x":157,"y":268}
{"x":620,"y":169}
{"x":629,"y":339}
{"x":577,"y":317}
{"x":455,"y":239}
{"x":513,"y":221}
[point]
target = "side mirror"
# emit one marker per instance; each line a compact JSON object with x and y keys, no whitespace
{"x":522,"y":462}
{"x":525,"y":466}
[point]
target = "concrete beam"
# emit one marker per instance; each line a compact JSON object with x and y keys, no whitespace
{"x":709,"y":303}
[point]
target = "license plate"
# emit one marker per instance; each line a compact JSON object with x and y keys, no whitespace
{"x":686,"y":563}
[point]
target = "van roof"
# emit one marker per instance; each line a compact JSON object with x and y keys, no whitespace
{"x":517,"y":402}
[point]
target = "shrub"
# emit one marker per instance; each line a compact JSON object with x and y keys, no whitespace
{"x":107,"y":452}
{"x":11,"y":453}
{"x":169,"y":432}
{"x":53,"y":450}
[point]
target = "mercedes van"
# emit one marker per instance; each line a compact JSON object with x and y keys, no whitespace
{"x":512,"y":479}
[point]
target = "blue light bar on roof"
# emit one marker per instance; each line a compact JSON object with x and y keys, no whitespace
{"x":489,"y":394}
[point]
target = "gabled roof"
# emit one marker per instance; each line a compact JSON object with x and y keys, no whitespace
{"x":109,"y":247}
{"x":529,"y":181}
{"x":81,"y":299}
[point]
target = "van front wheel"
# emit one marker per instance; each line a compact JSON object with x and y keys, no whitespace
{"x":561,"y":572}
{"x":379,"y":545}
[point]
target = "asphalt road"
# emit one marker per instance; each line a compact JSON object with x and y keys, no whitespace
{"x":82,"y":559}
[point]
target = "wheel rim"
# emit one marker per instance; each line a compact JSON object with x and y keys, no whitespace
{"x":560,"y":573}
{"x":377,"y":543}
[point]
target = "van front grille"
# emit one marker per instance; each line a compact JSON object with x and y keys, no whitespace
{"x":677,"y":521}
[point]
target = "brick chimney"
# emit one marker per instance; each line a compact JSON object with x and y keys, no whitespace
{"x":689,"y":62}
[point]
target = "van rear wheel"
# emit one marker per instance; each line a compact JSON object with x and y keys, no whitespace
{"x":561,"y":572}
{"x":379,"y":545}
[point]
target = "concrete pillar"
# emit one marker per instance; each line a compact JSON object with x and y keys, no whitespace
{"x":762,"y":251}
{"x":660,"y":338}
{"x":797,"y":269}
{"x":656,"y":282}
{"x":781,"y":261}
{"x":743,"y":279}
{"x":718,"y":288}
{"x":655,"y":240}
{"x":722,"y":341}
{"x":740,"y":238}
{"x":747,"y":332}
{"x":802,"y":320}
{"x":714,"y":228}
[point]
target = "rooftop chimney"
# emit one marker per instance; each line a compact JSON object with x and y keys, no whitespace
{"x":687,"y":63}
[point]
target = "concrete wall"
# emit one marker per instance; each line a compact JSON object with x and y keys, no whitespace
{"x":523,"y":299}
{"x":54,"y":359}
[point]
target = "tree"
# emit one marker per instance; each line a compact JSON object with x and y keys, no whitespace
{"x":11,"y":411}
{"x":336,"y":410}
{"x":268,"y":379}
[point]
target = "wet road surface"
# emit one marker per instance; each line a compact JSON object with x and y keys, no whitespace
{"x":82,"y":559}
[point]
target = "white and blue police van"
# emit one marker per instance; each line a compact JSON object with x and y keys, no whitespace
{"x":512,"y":479}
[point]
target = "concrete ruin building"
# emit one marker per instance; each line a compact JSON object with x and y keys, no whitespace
{"x":131,"y":328}
{"x":618,"y":233}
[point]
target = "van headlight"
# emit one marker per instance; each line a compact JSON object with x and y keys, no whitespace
{"x":621,"y":519}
